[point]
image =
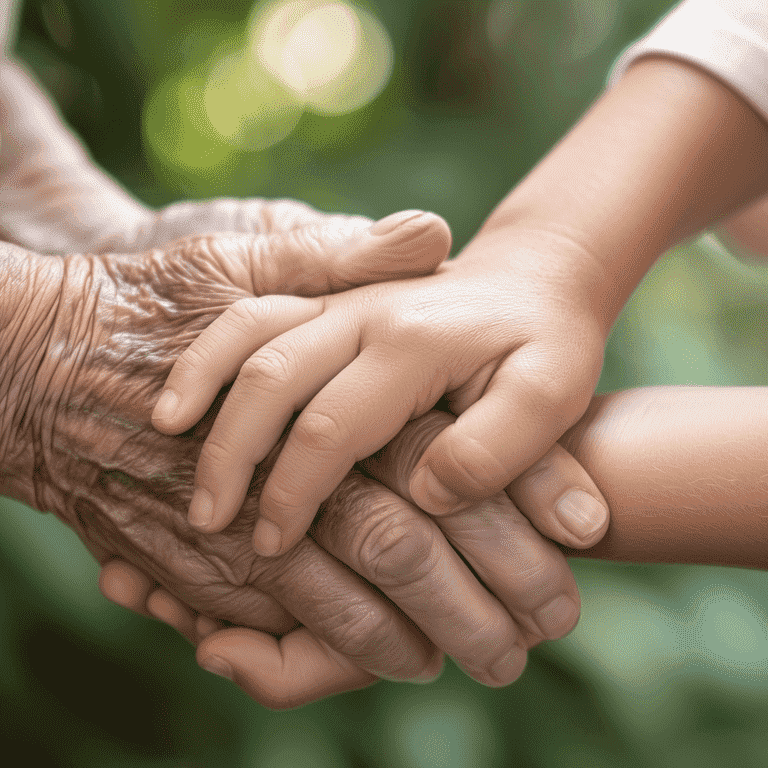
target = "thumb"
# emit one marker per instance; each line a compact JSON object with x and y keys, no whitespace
{"x":495,"y":439}
{"x":334,"y":255}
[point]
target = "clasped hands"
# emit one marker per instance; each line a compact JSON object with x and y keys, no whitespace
{"x":121,"y":324}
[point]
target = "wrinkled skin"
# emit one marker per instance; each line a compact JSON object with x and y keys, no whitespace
{"x":84,"y":449}
{"x":112,"y":326}
{"x":108,"y":474}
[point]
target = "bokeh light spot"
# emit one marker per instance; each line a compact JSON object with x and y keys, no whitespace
{"x":175,"y":126}
{"x":247,"y":107}
{"x":332,"y":56}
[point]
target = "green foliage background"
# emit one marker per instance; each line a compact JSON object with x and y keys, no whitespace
{"x":669,"y":664}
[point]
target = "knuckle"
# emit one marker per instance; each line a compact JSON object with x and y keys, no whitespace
{"x":552,"y":391}
{"x":270,"y":365}
{"x":536,"y":580}
{"x":286,"y":499}
{"x":352,"y":627}
{"x":247,"y":311}
{"x":398,"y":550}
{"x":319,"y":431}
{"x":411,"y":327}
{"x":192,"y":360}
{"x":216,"y":454}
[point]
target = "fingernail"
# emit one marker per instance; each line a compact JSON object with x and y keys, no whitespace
{"x":200,"y":509}
{"x":580,"y":513}
{"x":510,"y":666}
{"x":389,"y":223}
{"x":166,"y":406}
{"x":217,"y":666}
{"x":267,"y":538}
{"x":431,"y":495}
{"x":558,"y":617}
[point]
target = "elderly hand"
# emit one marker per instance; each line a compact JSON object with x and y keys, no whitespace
{"x":92,"y":349}
{"x":54,"y":199}
{"x":392,"y":543}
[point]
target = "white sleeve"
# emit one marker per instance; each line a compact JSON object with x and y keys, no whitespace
{"x":728,"y":38}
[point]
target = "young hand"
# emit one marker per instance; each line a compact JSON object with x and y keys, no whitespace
{"x":517,"y":353}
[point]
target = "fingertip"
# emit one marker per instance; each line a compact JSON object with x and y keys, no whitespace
{"x":423,"y":238}
{"x":125,"y":586}
{"x":201,"y":513}
{"x":432,"y":496}
{"x":442,"y":240}
{"x":206,"y":626}
{"x":509,"y":667}
{"x":268,"y":538}
{"x":217,"y":666}
{"x":395,"y":221}
{"x":165,"y":411}
{"x":583,"y":515}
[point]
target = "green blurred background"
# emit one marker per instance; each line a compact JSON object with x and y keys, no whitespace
{"x":456,"y":101}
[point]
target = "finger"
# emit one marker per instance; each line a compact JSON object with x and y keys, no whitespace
{"x":515,"y":422}
{"x":277,"y":380}
{"x":280,"y":674}
{"x":325,"y":258}
{"x":126,"y":586}
{"x":215,"y":357}
{"x":526,"y":572}
{"x":337,"y":428}
{"x":346,"y":613}
{"x":207,"y":626}
{"x":558,"y":496}
{"x":401,"y":551}
{"x":163,"y":606}
{"x":328,"y":257}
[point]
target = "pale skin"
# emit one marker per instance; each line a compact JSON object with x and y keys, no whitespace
{"x":682,"y":468}
{"x":512,"y":331}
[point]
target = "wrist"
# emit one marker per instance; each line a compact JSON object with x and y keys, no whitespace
{"x":663,"y":154}
{"x":551,"y":261}
{"x":49,"y":325}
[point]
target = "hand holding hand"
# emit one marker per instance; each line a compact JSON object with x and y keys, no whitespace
{"x":398,"y":549}
{"x":516,"y":362}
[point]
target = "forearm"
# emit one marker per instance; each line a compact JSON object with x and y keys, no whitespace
{"x":684,"y":472}
{"x":663,"y":154}
{"x":52,"y":196}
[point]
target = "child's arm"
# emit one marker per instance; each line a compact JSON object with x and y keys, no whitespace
{"x":685,"y":471}
{"x":746,"y":232}
{"x":513,"y":330}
